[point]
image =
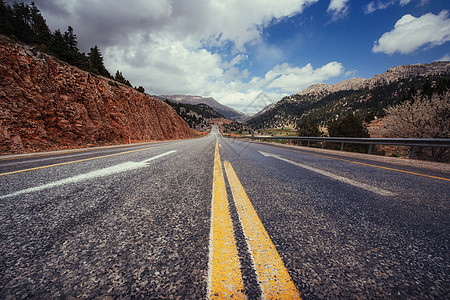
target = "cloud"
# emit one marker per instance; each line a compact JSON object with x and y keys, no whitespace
{"x":378,"y":5}
{"x":374,"y":6}
{"x":286,"y":78}
{"x":338,"y":9}
{"x":280,"y":81}
{"x":411,"y":33}
{"x":446,"y":57}
{"x":199,"y":23}
{"x":185,"y":47}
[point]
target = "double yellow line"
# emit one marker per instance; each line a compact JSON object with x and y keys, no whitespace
{"x":224,"y":272}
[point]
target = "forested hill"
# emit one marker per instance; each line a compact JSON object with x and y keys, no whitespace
{"x":368,"y":98}
{"x":196,"y":115}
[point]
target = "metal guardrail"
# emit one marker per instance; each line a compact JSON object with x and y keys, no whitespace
{"x":410,"y":142}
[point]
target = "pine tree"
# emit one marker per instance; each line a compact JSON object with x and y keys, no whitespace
{"x":96,"y":60}
{"x":119,"y":77}
{"x":348,"y":126}
{"x":6,"y":27}
{"x":307,"y":127}
{"x":71,"y":39}
{"x":41,"y":31}
{"x":58,"y":46}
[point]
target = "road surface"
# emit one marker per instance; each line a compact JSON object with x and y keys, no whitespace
{"x":216,"y":217}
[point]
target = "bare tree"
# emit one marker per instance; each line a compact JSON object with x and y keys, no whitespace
{"x":421,"y":117}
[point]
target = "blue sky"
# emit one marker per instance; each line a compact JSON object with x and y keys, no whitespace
{"x":249,"y":53}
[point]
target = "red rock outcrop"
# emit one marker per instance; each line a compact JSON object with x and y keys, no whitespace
{"x":46,"y":104}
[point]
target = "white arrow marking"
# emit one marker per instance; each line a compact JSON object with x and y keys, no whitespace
{"x":120,"y":168}
{"x":370,"y":188}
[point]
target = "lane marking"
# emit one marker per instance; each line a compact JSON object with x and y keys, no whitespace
{"x":273,"y":277}
{"x":76,"y":161}
{"x":366,"y":164}
{"x":43,"y":155}
{"x":16,"y":163}
{"x":120,"y":168}
{"x":367,"y":187}
{"x":224,"y":270}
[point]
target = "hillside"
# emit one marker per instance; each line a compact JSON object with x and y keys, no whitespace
{"x":47,"y":104}
{"x":224,"y":110}
{"x":198,"y":116}
{"x":367,"y":97}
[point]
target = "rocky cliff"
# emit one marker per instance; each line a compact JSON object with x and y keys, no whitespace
{"x":46,"y":104}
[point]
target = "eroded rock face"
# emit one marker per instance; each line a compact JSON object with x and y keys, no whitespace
{"x":46,"y":104}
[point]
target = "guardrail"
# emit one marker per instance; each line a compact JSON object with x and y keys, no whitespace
{"x":410,"y":142}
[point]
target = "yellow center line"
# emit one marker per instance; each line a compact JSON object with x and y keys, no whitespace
{"x":374,"y":166}
{"x":75,"y":161}
{"x":46,"y":154}
{"x":224,"y":271}
{"x":274,"y":278}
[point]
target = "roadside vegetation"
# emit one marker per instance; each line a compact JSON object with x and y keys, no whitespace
{"x":423,"y":116}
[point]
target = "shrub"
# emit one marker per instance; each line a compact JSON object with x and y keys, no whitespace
{"x":421,"y":117}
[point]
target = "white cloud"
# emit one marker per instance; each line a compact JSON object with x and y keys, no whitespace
{"x":378,"y":5}
{"x":338,"y":9}
{"x":446,"y":57}
{"x":203,"y":22}
{"x":411,"y":33}
{"x":289,"y":79}
{"x":164,"y":45}
{"x":374,"y":6}
{"x":282,"y":80}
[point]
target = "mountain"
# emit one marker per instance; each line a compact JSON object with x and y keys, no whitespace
{"x":198,"y":116}
{"x":226,"y":111}
{"x":367,"y":97}
{"x":46,"y":104}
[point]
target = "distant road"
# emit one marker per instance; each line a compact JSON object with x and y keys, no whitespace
{"x":214,"y":218}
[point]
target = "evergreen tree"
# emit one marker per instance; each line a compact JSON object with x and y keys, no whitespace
{"x":6,"y":16}
{"x":40,"y":28}
{"x":71,"y":39}
{"x":307,"y":127}
{"x":22,"y":22}
{"x":96,"y":60}
{"x":58,"y":47}
{"x":427,"y":90}
{"x":348,"y":126}
{"x":120,"y":78}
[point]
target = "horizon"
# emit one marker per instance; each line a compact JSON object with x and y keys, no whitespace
{"x":247,"y":55}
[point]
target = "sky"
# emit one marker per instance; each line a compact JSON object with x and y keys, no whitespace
{"x":249,"y":53}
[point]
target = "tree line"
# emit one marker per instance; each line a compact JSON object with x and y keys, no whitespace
{"x":25,"y":23}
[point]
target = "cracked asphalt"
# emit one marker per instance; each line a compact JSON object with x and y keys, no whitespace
{"x":142,"y":230}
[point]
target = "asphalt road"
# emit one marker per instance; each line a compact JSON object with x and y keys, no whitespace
{"x":136,"y":222}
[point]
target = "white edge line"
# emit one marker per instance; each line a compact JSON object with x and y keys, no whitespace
{"x":365,"y":186}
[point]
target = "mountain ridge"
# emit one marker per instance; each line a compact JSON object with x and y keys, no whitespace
{"x":326,"y":101}
{"x":392,"y":74}
{"x":227,"y":112}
